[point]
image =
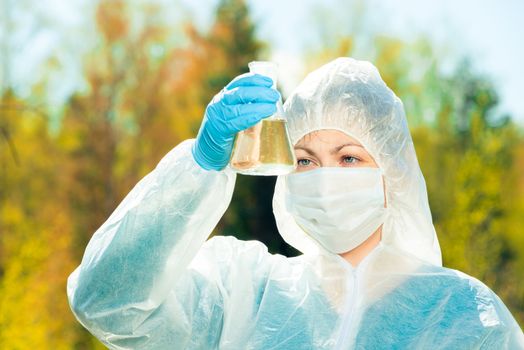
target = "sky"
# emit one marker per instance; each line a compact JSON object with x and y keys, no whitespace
{"x":491,"y":32}
{"x":488,"y":31}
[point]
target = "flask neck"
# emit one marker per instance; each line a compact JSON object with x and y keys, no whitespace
{"x":279,"y":114}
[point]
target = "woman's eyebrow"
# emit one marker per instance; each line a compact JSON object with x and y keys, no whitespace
{"x":338,"y":148}
{"x":308,"y":150}
{"x":333,"y":151}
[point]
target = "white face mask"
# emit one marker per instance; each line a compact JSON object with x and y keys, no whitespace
{"x":339,"y":207}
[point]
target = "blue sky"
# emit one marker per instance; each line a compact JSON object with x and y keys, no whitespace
{"x":488,"y":31}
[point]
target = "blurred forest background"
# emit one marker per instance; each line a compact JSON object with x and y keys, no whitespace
{"x":61,"y":177}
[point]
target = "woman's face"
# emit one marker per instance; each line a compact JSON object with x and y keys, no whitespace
{"x":331,"y":148}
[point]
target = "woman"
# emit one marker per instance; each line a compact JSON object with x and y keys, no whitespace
{"x":370,"y":276}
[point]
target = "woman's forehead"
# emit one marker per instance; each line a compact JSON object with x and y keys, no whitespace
{"x":326,"y":137}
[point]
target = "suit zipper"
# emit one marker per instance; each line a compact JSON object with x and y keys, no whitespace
{"x":349,"y":310}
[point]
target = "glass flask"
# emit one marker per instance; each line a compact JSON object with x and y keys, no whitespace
{"x":265,"y":148}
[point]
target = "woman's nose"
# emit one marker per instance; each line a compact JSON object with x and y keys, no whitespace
{"x":328,"y":163}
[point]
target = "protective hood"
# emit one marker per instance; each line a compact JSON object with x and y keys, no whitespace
{"x":350,"y":96}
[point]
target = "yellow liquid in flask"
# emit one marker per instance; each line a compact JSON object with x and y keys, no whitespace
{"x":263,"y":149}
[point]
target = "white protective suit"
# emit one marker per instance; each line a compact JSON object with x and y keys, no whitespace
{"x":150,"y":280}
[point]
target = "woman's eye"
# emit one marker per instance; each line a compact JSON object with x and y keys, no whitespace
{"x":303,"y":162}
{"x":350,"y":160}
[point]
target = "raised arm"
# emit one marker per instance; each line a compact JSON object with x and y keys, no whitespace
{"x":134,"y":288}
{"x":138,"y":255}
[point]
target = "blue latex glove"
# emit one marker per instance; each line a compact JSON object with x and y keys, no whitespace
{"x":241,"y":104}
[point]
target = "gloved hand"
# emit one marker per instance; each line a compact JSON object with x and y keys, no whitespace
{"x":241,"y":104}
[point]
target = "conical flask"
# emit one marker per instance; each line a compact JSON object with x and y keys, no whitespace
{"x":265,"y":148}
